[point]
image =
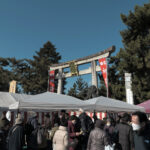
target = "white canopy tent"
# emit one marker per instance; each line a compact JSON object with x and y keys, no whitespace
{"x":107,"y":104}
{"x":49,"y":102}
{"x":6,"y":99}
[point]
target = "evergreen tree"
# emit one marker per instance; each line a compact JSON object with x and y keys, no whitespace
{"x":81,"y":84}
{"x":134,"y":58}
{"x":79,"y":89}
{"x":73,"y":91}
{"x":5,"y":75}
{"x":31,"y":75}
{"x":38,"y":72}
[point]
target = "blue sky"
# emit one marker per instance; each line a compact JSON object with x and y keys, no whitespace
{"x":77,"y":28}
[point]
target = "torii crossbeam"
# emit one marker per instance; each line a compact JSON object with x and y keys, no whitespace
{"x":88,"y":59}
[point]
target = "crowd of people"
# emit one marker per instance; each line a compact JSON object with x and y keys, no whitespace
{"x":64,"y":132}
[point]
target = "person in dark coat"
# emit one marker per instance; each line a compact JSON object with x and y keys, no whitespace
{"x":110,"y":131}
{"x":31,"y":128}
{"x":86,"y":126}
{"x":97,"y":139}
{"x":62,"y":115}
{"x":72,"y":133}
{"x":125,"y":133}
{"x":47,"y":122}
{"x":16,"y":136}
{"x":4,"y":128}
{"x":56,"y":119}
{"x":141,"y":131}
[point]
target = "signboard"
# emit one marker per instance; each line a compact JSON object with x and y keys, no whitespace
{"x":12,"y":87}
{"x":129,"y":93}
{"x":73,"y":69}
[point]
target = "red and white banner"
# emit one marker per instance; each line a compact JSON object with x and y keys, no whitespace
{"x":52,"y":81}
{"x":103,"y":66}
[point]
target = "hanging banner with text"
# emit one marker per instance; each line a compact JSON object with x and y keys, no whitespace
{"x":73,"y":69}
{"x":103,"y":66}
{"x":52,"y":81}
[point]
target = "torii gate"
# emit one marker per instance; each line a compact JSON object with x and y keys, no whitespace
{"x":89,"y":59}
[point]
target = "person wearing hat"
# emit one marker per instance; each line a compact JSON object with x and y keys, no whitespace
{"x":16,"y":136}
{"x":97,"y":139}
{"x":4,"y":128}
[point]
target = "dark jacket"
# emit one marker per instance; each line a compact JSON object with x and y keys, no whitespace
{"x":111,"y":134}
{"x":32,"y":127}
{"x":86,"y":123}
{"x":142,"y":139}
{"x":82,"y":118}
{"x":3,"y":139}
{"x":97,"y":140}
{"x":16,"y":138}
{"x":125,"y":136}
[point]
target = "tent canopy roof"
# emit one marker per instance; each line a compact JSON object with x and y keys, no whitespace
{"x":52,"y":101}
{"x":6,"y":99}
{"x":48,"y":101}
{"x":107,"y":104}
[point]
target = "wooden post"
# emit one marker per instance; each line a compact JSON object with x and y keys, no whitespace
{"x":94,"y":74}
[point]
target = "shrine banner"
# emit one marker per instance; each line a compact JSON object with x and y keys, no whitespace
{"x":73,"y":69}
{"x":52,"y":80}
{"x":103,"y":66}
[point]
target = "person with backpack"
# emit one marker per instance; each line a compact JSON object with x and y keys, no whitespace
{"x":86,"y":126}
{"x":16,"y":136}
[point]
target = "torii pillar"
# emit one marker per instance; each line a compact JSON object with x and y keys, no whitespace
{"x":94,"y":73}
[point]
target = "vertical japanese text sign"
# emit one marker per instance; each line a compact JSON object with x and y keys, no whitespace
{"x":103,"y":66}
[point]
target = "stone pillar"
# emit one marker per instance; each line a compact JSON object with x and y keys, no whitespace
{"x":94,"y":74}
{"x":59,"y":88}
{"x":128,"y":85}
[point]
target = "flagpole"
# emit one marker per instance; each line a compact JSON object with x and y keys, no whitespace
{"x":107,"y":79}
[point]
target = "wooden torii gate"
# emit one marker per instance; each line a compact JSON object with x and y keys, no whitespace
{"x":89,"y":59}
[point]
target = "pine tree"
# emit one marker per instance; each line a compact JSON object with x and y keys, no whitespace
{"x":134,"y":58}
{"x":5,"y":75}
{"x":32,"y":75}
{"x":73,"y":91}
{"x":79,"y":89}
{"x":81,"y":84}
{"x":39,"y":68}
